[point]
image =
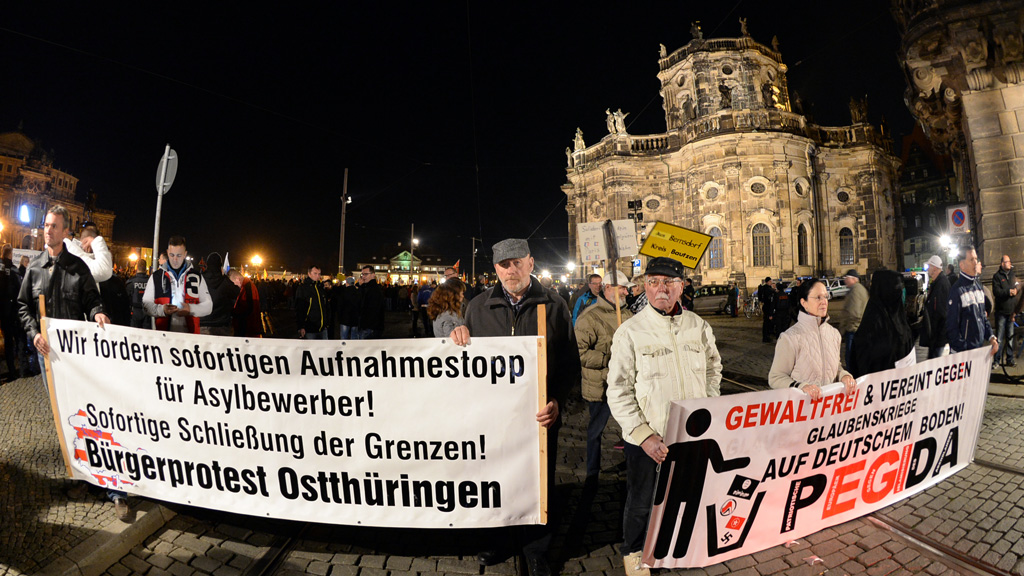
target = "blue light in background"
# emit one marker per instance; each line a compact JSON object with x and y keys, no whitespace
{"x":23,"y":214}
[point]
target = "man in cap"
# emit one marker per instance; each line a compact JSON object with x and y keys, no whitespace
{"x":594,"y":330}
{"x":937,"y":303}
{"x":510,"y":308}
{"x":967,"y":325}
{"x":856,"y":302}
{"x":664,"y":353}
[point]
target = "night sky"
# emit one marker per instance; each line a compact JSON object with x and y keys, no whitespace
{"x":450,"y":116}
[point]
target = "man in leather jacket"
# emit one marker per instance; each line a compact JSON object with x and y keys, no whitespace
{"x":64,"y":279}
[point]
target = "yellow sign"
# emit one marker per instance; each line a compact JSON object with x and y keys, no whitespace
{"x":682,"y":244}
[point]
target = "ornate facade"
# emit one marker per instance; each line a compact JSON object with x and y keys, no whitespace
{"x":30,"y":185}
{"x":964,"y":62}
{"x":781,"y":196}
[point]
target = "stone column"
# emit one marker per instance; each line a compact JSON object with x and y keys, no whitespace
{"x":965,"y":68}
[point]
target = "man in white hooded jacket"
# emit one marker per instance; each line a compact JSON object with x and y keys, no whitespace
{"x":93,"y":250}
{"x":662,"y":354}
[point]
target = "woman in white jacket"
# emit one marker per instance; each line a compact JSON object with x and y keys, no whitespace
{"x":807,"y":354}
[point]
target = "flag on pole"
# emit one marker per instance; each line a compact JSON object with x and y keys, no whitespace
{"x":457,"y":264}
{"x":226,"y":265}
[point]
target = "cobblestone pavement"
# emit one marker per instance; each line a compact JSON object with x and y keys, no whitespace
{"x":978,"y":512}
{"x":37,"y":518}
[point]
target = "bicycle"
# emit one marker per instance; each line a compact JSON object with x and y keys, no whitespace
{"x":752,"y":306}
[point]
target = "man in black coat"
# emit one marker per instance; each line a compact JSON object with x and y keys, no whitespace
{"x":510,"y":308}
{"x":223,"y":293}
{"x":311,"y":310}
{"x":769,"y":300}
{"x":371,"y":305}
{"x":937,"y":303}
{"x":1004,"y":291}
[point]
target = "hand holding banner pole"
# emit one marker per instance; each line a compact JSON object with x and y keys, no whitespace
{"x":542,"y":401}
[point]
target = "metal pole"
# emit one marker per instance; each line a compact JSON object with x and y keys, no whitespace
{"x":341,"y":240}
{"x":159,"y":205}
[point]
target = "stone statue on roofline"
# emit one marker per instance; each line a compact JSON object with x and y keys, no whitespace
{"x":620,"y":121}
{"x":578,"y":141}
{"x":743,"y":28}
{"x":695,"y":30}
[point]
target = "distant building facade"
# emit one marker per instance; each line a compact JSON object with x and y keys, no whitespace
{"x":781,"y":196}
{"x":928,"y":187}
{"x":964,"y":65}
{"x":406,"y":268}
{"x":30,"y":185}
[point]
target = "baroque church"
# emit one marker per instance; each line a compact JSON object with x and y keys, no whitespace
{"x":30,"y":185}
{"x":780,"y":195}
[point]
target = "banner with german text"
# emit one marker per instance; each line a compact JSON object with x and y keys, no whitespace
{"x":403,"y":433}
{"x":749,"y":471}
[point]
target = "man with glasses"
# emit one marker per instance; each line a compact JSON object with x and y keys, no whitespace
{"x":664,"y":353}
{"x":371,"y":306}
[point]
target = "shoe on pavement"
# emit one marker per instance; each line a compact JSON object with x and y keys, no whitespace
{"x":634,"y":565}
{"x":537,"y":565}
{"x":490,"y":557}
{"x":124,"y":512}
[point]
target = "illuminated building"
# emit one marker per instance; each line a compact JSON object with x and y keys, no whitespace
{"x":30,"y":185}
{"x":964,"y":64}
{"x":782,"y":196}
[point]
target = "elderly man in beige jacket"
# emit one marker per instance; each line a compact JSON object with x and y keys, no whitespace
{"x":594,"y":330}
{"x":664,"y":353}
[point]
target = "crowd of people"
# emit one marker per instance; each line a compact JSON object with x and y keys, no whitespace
{"x":632,"y":345}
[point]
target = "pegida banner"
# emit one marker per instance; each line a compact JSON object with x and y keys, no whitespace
{"x":420,"y":433}
{"x":749,"y":471}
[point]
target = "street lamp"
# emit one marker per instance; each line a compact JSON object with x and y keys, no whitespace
{"x":132,"y":259}
{"x":571,"y":266}
{"x":256,"y":261}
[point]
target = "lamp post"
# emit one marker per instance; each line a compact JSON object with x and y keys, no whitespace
{"x":571,"y":266}
{"x":256,"y":261}
{"x":132,"y":259}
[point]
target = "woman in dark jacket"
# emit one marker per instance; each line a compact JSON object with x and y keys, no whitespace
{"x":884,"y":336}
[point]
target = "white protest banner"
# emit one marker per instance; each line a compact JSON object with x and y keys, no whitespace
{"x":403,"y":433}
{"x":749,"y":471}
{"x":590,"y":236}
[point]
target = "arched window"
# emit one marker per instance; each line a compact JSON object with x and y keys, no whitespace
{"x":761,"y":241}
{"x":716,"y":259}
{"x":801,"y":245}
{"x":846,"y":255}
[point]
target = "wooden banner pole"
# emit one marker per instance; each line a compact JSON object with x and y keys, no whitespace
{"x":52,"y":390}
{"x":542,"y":401}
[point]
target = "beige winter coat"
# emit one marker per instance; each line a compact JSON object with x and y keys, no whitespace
{"x":856,"y":302}
{"x":807,"y":353}
{"x":657,"y":359}
{"x":594,"y":330}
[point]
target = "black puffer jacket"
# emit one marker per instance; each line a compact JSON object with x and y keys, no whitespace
{"x":491,"y":314}
{"x":222,"y":291}
{"x":71,"y":292}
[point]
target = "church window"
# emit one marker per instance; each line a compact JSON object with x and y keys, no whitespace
{"x":757,"y":188}
{"x":653,"y":204}
{"x":843,"y":196}
{"x":727,"y":70}
{"x":846,"y":255}
{"x":712,"y":193}
{"x":761,"y":240}
{"x":801,"y":245}
{"x":715,"y":257}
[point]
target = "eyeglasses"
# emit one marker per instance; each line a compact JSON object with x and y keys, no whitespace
{"x":819,"y":298}
{"x":668,"y":282}
{"x":366,"y":273}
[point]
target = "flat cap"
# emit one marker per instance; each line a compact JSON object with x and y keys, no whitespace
{"x":852,"y":273}
{"x":662,"y":266}
{"x":509,"y":249}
